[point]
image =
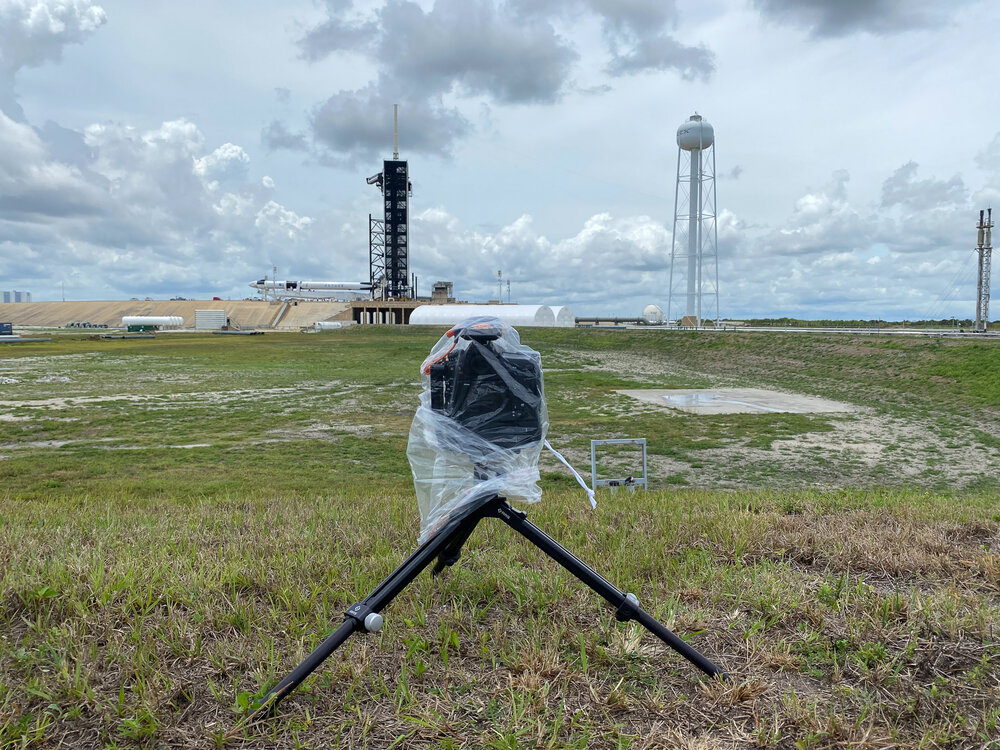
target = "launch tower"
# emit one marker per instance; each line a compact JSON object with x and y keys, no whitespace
{"x":388,"y":239}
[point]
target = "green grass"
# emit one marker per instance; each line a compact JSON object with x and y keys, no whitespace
{"x":149,"y":591}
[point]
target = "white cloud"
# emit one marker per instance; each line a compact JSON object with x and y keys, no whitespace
{"x":626,"y":254}
{"x":835,"y":258}
{"x":35,"y":31}
{"x":33,"y":185}
{"x":234,"y":204}
{"x":988,"y":158}
{"x":903,"y":188}
{"x":156,"y":216}
{"x":228,"y":163}
{"x":277,"y":220}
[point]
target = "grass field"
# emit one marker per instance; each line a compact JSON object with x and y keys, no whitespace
{"x":183,"y":519}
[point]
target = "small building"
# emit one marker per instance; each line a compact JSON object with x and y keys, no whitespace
{"x":443,"y":293}
{"x":210,"y":320}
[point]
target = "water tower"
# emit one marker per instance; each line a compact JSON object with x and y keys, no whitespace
{"x":694,"y":261}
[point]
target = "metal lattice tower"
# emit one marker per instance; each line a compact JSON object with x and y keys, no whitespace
{"x":695,"y":238}
{"x":376,"y":254}
{"x":985,"y":247}
{"x":390,"y":258}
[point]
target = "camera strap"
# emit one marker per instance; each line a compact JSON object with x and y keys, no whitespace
{"x":590,"y":492}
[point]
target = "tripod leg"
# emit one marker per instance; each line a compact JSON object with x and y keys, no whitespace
{"x":626,"y":605}
{"x":364,"y":616}
{"x":276,"y":694}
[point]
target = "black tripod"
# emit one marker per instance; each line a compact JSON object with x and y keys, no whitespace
{"x":446,"y":546}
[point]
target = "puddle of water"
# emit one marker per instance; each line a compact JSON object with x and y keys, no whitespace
{"x":736,"y":401}
{"x":692,"y":399}
{"x":713,"y":399}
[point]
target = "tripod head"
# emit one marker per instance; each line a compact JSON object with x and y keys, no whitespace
{"x":481,"y":422}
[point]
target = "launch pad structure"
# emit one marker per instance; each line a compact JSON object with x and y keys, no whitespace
{"x":388,"y":238}
{"x":384,"y":311}
{"x":390,"y":283}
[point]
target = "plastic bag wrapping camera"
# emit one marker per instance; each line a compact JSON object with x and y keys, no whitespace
{"x":481,"y":422}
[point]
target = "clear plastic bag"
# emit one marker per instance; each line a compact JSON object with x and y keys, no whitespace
{"x":481,"y":422}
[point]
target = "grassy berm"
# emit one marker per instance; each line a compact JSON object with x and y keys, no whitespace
{"x":183,"y":519}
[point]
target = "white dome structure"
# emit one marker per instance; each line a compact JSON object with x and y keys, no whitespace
{"x":515,"y":315}
{"x":653,"y":315}
{"x":564,"y":317}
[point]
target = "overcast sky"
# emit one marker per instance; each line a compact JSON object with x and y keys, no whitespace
{"x":183,"y":148}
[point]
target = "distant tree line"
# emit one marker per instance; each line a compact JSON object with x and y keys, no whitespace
{"x":965,"y":323}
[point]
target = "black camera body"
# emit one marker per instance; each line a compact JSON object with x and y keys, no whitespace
{"x":488,"y":389}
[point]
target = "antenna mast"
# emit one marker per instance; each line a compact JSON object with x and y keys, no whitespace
{"x":395,"y":132}
{"x":984,"y":246}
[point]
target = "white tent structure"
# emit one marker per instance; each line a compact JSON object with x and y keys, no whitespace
{"x":160,"y":321}
{"x":515,"y":315}
{"x":564,"y":316}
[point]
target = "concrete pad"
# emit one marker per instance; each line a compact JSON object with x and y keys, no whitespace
{"x":737,"y":401}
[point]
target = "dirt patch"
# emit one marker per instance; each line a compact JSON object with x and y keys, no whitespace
{"x":639,"y":367}
{"x":862,"y":450}
{"x":321,"y":431}
{"x":209,"y":397}
{"x":857,"y":447}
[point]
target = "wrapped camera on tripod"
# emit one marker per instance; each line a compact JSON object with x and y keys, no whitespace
{"x":474,"y":444}
{"x":481,"y":422}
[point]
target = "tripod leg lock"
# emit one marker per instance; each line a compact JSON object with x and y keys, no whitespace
{"x":367,"y":619}
{"x":508,"y":514}
{"x":627,"y":609}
